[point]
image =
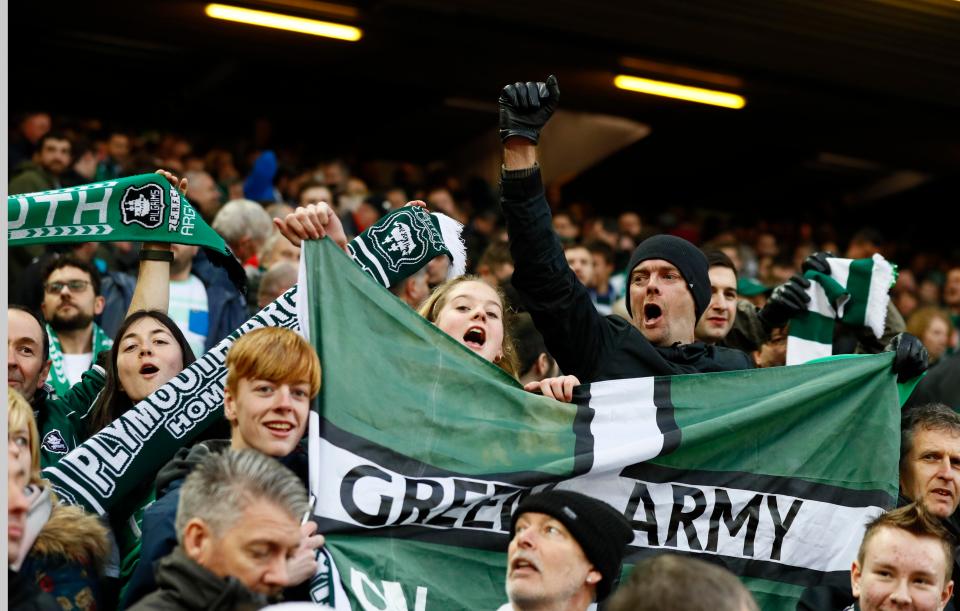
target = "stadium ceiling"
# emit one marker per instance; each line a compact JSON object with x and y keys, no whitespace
{"x":859,"y":95}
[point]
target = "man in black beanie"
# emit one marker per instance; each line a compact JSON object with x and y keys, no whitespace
{"x":669,"y":285}
{"x":566,"y":550}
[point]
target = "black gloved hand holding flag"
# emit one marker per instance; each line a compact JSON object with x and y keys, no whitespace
{"x":911,"y":356}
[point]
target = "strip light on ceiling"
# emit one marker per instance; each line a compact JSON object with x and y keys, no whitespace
{"x":284,"y":22}
{"x":680,"y":92}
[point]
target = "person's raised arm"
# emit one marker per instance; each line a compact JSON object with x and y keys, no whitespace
{"x":153,"y":280}
{"x":559,"y":304}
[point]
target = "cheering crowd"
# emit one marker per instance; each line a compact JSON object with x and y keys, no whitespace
{"x":553,"y":298}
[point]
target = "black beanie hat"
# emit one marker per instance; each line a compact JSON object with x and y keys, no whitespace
{"x":601,"y":530}
{"x":687,"y":258}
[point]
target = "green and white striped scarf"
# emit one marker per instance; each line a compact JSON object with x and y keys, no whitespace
{"x":58,"y":373}
{"x":856,"y":292}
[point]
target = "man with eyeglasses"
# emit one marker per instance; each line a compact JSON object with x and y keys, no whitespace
{"x":71,"y":300}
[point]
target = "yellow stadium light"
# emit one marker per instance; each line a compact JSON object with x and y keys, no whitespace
{"x":680,"y":92}
{"x":284,"y":22}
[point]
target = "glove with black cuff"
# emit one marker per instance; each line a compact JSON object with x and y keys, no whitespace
{"x":788,"y":300}
{"x":911,"y":356}
{"x":526,"y":107}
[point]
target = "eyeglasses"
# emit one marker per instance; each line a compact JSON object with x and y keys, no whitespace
{"x":75,"y":286}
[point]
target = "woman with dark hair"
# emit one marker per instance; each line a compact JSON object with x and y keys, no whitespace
{"x":149,"y":350}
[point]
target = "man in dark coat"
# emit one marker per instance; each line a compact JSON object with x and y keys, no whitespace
{"x":237,"y":523}
{"x":668,"y":281}
{"x":667,"y":276}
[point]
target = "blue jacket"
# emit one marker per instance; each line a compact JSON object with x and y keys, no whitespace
{"x":227,"y":308}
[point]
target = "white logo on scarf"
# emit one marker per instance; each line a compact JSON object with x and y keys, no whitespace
{"x":143,"y":205}
{"x":403,"y":240}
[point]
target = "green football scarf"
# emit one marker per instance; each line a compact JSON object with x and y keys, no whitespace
{"x":58,"y":373}
{"x":405,"y":240}
{"x":144,"y":208}
{"x":855,"y":292}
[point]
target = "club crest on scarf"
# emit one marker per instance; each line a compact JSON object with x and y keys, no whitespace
{"x":404,"y":238}
{"x":143,"y":205}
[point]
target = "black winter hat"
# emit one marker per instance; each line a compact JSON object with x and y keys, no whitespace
{"x":601,"y":530}
{"x":691,"y":262}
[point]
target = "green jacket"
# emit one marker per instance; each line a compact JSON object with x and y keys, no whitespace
{"x":62,"y":421}
{"x":30,"y":178}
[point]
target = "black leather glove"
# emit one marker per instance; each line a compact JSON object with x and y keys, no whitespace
{"x":526,"y":107}
{"x":787,"y":301}
{"x":911,"y":358}
{"x":817,"y":262}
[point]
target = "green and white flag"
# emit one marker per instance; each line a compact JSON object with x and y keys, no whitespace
{"x":420,"y":451}
{"x":855,"y":292}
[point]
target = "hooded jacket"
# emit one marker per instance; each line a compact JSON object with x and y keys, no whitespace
{"x":187,"y":586}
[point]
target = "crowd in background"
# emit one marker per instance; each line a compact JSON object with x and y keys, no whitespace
{"x":927,"y":291}
{"x":241,"y":192}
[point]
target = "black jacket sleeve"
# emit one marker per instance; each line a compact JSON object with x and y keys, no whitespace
{"x":559,"y":304}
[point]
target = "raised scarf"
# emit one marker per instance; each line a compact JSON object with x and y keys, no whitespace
{"x":855,"y":292}
{"x":143,"y":208}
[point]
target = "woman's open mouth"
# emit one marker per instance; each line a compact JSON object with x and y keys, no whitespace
{"x":475,"y":338}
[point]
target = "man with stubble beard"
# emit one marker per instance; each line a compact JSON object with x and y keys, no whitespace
{"x":668,"y":286}
{"x":71,"y":300}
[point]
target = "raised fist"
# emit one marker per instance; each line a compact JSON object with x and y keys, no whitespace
{"x":526,"y":107}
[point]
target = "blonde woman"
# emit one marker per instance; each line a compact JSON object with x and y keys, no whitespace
{"x":63,"y":549}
